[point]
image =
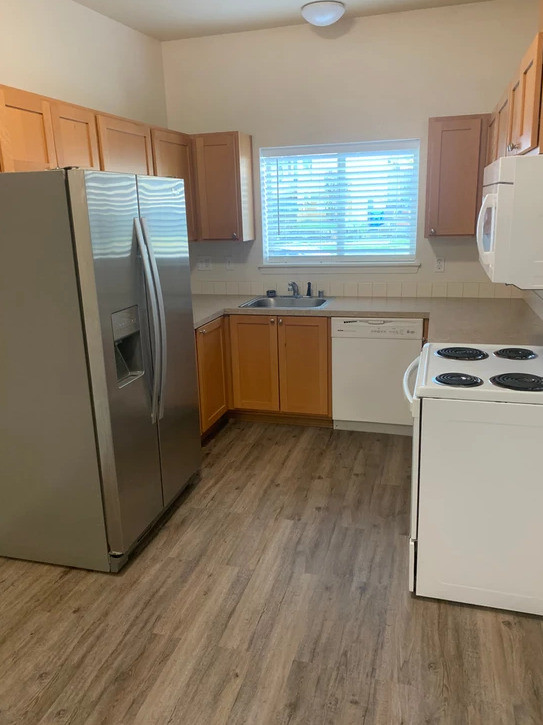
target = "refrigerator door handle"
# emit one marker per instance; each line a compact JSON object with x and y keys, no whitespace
{"x":149,"y":282}
{"x":162,"y":317}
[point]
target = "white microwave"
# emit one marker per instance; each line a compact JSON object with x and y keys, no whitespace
{"x":510,"y":223}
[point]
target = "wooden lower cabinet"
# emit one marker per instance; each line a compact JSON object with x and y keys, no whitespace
{"x":303,"y":365}
{"x":280,"y":364}
{"x":255,"y":365}
{"x":212,"y":377}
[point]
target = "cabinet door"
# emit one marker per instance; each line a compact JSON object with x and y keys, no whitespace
{"x":76,"y":138}
{"x":492,"y":139}
{"x":225,"y":186}
{"x":456,"y":154}
{"x":502,"y":120}
{"x":255,"y":373}
{"x":212,"y":387}
{"x":26,"y":132}
{"x":218,"y":186}
{"x":303,"y":365}
{"x":526,"y":102}
{"x":172,"y":156}
{"x":125,"y":146}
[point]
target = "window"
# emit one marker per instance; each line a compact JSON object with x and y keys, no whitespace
{"x":340,"y":203}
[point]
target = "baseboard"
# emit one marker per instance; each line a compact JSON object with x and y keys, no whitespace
{"x":365,"y":427}
{"x":316,"y":421}
{"x":212,"y":431}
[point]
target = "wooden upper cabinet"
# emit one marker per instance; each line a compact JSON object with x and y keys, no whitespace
{"x":212,"y":376}
{"x":173,"y":156}
{"x":26,"y":132}
{"x":125,"y":146}
{"x":76,"y":138}
{"x":303,"y":365}
{"x":225,"y":186}
{"x":498,"y":130}
{"x":525,"y":101}
{"x":255,"y":372}
{"x":502,"y":112}
{"x":456,"y":155}
{"x":492,"y":139}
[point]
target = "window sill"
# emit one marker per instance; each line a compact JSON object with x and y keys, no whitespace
{"x":346,"y":267}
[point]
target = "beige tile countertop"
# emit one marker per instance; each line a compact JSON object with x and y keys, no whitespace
{"x":462,"y":320}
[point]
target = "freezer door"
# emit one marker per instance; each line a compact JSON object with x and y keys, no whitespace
{"x":50,"y":496}
{"x":162,"y":210}
{"x":114,"y":297}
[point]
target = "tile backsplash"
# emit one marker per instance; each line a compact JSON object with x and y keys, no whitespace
{"x":361,"y":289}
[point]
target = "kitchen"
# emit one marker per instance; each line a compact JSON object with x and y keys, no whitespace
{"x":271,"y":83}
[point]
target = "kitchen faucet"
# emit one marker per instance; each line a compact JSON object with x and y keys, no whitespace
{"x":295,"y":289}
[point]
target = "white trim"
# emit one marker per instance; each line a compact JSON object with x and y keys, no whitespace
{"x":366,"y":146}
{"x":348,"y":268}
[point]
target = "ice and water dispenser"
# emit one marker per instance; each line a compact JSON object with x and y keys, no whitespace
{"x":128,"y":349}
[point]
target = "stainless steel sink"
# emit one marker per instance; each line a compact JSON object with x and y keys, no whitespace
{"x":286,"y":302}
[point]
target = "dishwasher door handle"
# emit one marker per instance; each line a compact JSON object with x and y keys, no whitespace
{"x":410,"y":396}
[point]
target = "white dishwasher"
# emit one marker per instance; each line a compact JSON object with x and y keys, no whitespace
{"x":369,"y":358}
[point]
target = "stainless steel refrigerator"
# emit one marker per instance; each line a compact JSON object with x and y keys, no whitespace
{"x":99,"y":427}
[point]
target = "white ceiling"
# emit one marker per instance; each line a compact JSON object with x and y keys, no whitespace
{"x":173,"y":19}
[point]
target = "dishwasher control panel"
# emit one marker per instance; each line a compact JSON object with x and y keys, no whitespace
{"x":377,"y":328}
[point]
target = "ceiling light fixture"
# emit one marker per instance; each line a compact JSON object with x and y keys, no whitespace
{"x":323,"y":12}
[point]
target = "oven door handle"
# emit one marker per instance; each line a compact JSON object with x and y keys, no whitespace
{"x":410,"y":396}
{"x":490,"y":201}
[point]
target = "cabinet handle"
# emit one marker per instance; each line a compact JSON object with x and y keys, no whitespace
{"x":234,"y":236}
{"x":280,"y":321}
{"x":432,"y":231}
{"x":513,"y":146}
{"x":272,"y":320}
{"x":203,"y":332}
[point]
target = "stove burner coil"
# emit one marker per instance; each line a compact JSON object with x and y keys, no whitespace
{"x":458,"y":380}
{"x":518,"y":381}
{"x":515,"y":353}
{"x":462,"y":353}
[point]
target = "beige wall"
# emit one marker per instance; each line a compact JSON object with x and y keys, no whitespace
{"x":369,"y":78}
{"x":64,"y":50}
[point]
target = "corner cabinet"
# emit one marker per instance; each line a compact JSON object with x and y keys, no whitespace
{"x":211,"y":352}
{"x":224,"y":182}
{"x":457,"y":152}
{"x":173,"y":156}
{"x":26,"y":132}
{"x":281,"y":363}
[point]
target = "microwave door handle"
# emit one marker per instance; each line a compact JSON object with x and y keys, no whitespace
{"x":488,"y":202}
{"x":157,"y":361}
{"x":161,"y":315}
{"x":410,"y":396}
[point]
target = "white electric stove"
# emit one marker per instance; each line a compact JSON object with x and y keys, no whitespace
{"x":477,"y":482}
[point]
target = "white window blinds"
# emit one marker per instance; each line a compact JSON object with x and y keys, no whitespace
{"x":340,"y":203}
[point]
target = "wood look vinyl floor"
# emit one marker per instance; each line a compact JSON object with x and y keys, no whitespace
{"x":275,"y":595}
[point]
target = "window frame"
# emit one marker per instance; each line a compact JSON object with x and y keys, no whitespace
{"x":403,"y":262}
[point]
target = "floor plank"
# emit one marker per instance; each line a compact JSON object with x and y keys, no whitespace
{"x":276,"y":594}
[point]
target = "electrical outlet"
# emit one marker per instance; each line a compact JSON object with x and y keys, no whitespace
{"x":229,"y":264}
{"x":439,"y":265}
{"x":204,"y":264}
